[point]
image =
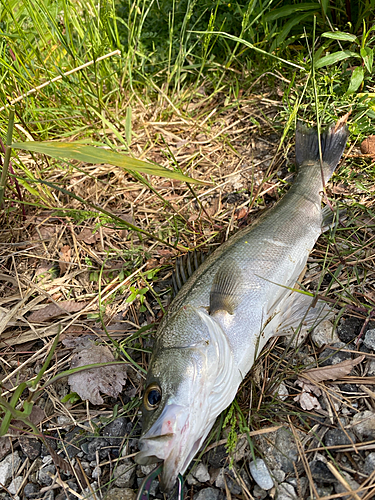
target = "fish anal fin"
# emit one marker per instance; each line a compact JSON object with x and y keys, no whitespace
{"x":331,"y":217}
{"x":226,"y":289}
{"x":298,"y":310}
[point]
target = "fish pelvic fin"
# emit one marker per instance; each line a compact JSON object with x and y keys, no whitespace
{"x":332,"y":139}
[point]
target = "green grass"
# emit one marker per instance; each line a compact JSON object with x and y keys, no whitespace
{"x":198,"y":64}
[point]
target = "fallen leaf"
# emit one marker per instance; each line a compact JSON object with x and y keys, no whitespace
{"x":90,"y":383}
{"x":53,"y":310}
{"x":332,"y":372}
{"x":307,"y":401}
{"x":368,"y":146}
{"x":88,"y":236}
{"x":65,"y":256}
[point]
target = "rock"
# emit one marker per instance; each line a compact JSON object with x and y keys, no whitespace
{"x":340,"y":488}
{"x":218,"y":456}
{"x":261,"y":474}
{"x":369,"y":339}
{"x":279,"y":449}
{"x":191,"y":481}
{"x":9,"y":466}
{"x":349,"y":328}
{"x":49,"y":495}
{"x":226,"y":476}
{"x":91,"y":492}
{"x":281,"y":391}
{"x":369,"y":465}
{"x":320,"y":472}
{"x":30,"y":447}
{"x":97,"y":445}
{"x":147,"y":469}
{"x":370,"y":367}
{"x":285,"y":491}
{"x":207,"y":494}
{"x":15,"y":485}
{"x":258,"y":493}
{"x":324,"y":491}
{"x":44,"y":474}
{"x":363,"y":424}
{"x":115,"y":431}
{"x":31,"y":490}
{"x":335,"y":437}
{"x":332,"y":357}
{"x":97,"y":472}
{"x":324,"y":333}
{"x":278,"y":475}
{"x":124,"y":475}
{"x":285,"y":451}
{"x":74,"y":440}
{"x":153,"y":486}
{"x":120,"y":494}
{"x":201,"y":473}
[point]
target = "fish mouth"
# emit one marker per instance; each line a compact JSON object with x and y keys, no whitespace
{"x":172,"y":440}
{"x":174,"y":463}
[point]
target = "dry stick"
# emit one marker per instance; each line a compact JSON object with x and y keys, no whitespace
{"x":344,"y":482}
{"x":303,"y":457}
{"x":60,"y":77}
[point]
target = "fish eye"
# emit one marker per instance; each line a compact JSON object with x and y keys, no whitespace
{"x":152,"y":397}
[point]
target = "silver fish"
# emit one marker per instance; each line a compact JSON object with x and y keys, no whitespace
{"x":225,"y":313}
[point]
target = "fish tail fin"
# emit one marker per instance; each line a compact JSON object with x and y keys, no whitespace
{"x":332,"y":140}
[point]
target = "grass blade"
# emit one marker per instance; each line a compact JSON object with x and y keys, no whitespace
{"x":91,"y":154}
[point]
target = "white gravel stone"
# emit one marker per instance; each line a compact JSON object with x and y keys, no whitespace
{"x":201,"y":473}
{"x":285,"y":491}
{"x":369,"y":465}
{"x":261,"y":474}
{"x":363,"y":424}
{"x":369,"y":339}
{"x":324,"y":333}
{"x":124,"y":475}
{"x":281,"y":391}
{"x":15,"y":485}
{"x":8,"y":467}
{"x":278,"y":475}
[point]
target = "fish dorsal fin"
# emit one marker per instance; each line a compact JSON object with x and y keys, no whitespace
{"x":226,"y":288}
{"x":185,"y":266}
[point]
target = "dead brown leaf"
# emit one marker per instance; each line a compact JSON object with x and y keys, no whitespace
{"x":332,"y":372}
{"x":368,"y":146}
{"x":53,"y":310}
{"x":88,"y":236}
{"x":306,"y":397}
{"x":90,"y":383}
{"x":65,"y":256}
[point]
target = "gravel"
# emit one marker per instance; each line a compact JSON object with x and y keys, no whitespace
{"x":261,"y":474}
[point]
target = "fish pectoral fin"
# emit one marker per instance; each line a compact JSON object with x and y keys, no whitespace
{"x":226,"y":290}
{"x":297,"y":310}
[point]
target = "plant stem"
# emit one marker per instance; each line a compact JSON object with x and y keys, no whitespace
{"x":8,"y":150}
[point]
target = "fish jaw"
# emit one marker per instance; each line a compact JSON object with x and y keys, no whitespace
{"x":174,"y":439}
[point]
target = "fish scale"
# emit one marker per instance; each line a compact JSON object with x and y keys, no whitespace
{"x":229,"y":308}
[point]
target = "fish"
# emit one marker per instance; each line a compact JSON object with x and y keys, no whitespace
{"x":224,"y":314}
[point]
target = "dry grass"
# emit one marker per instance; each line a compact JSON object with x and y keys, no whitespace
{"x":64,"y":255}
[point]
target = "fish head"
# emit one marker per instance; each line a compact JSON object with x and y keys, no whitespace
{"x":184,"y":391}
